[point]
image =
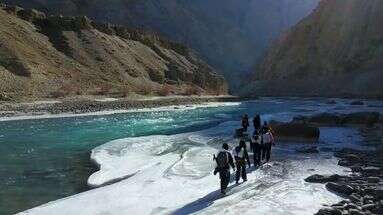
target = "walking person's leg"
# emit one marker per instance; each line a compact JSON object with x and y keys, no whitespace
{"x":243,"y":171}
{"x":263,"y":148}
{"x":259,"y":156}
{"x":238,"y":172}
{"x":268,"y":152}
{"x":255,"y":157}
{"x":225,"y":179}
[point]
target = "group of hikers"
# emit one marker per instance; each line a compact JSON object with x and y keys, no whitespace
{"x":260,"y":144}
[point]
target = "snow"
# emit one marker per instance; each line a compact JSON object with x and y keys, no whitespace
{"x":172,"y":174}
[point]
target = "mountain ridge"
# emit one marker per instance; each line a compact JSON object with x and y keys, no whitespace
{"x":56,"y":56}
{"x":336,"y":51}
{"x":230,"y":35}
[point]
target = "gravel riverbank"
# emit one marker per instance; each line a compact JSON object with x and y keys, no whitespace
{"x":363,"y":188}
{"x":94,"y":105}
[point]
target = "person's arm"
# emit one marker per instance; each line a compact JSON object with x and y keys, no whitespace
{"x":271,"y":138}
{"x":231,"y":161}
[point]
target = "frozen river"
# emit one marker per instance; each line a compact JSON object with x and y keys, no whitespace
{"x":160,"y":161}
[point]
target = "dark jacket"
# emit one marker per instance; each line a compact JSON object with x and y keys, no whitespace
{"x":231,"y":160}
{"x":257,"y":122}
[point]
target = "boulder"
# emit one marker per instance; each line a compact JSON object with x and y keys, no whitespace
{"x":307,"y":150}
{"x":357,"y":103}
{"x":349,"y":160}
{"x":325,"y":118}
{"x":373,"y":179}
{"x":329,"y":211}
{"x":340,"y":188}
{"x":331,"y":102}
{"x":322,"y":178}
{"x":368,"y":207}
{"x":295,"y":131}
{"x":355,"y":212}
{"x":370,"y":170}
{"x":365,"y":118}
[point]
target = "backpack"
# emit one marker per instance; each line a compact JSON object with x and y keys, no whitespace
{"x":222,"y":160}
{"x":239,"y":152}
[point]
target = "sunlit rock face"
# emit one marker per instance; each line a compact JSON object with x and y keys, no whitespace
{"x":230,"y":34}
{"x":336,"y":51}
{"x":60,"y":56}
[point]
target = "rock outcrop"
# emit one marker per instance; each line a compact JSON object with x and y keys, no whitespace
{"x":293,"y":131}
{"x":331,"y":119}
{"x":335,"y":51}
{"x":56,"y":56}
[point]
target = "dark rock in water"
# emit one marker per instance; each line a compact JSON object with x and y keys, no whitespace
{"x":331,"y":102}
{"x":355,"y":212}
{"x":357,"y":103}
{"x":350,"y":206}
{"x":368,"y":207}
{"x":308,"y":150}
{"x":349,"y":160}
{"x":373,"y":179}
{"x":358,"y":118}
{"x":329,"y":211}
{"x":340,"y":188}
{"x":326,"y":149}
{"x":325,"y":118}
{"x":355,"y":198}
{"x":378,"y":210}
{"x":365,"y":118}
{"x":295,"y":131}
{"x":370,"y":170}
{"x":322,"y":178}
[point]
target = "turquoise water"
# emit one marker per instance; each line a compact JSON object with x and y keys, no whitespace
{"x":47,"y":159}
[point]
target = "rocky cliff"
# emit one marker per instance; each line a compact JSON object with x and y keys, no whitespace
{"x":55,"y":56}
{"x":230,"y":35}
{"x":335,"y":51}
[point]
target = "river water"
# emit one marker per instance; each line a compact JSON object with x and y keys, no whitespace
{"x":48,"y":159}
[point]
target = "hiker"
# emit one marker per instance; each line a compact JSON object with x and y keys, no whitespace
{"x":241,"y":156}
{"x":245,"y":122}
{"x":257,"y":122}
{"x":255,"y":147}
{"x":267,"y":140}
{"x":224,"y":160}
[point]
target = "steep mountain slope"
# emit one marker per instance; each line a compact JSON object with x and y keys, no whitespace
{"x":229,"y":34}
{"x":59,"y":56}
{"x":336,"y":51}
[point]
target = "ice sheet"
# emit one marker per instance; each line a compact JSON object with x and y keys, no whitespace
{"x":173,"y":175}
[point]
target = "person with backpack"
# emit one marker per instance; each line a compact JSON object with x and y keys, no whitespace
{"x":241,"y":156}
{"x":224,"y":160}
{"x":257,"y":122}
{"x":245,"y":122}
{"x":255,"y":147}
{"x":267,"y":140}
